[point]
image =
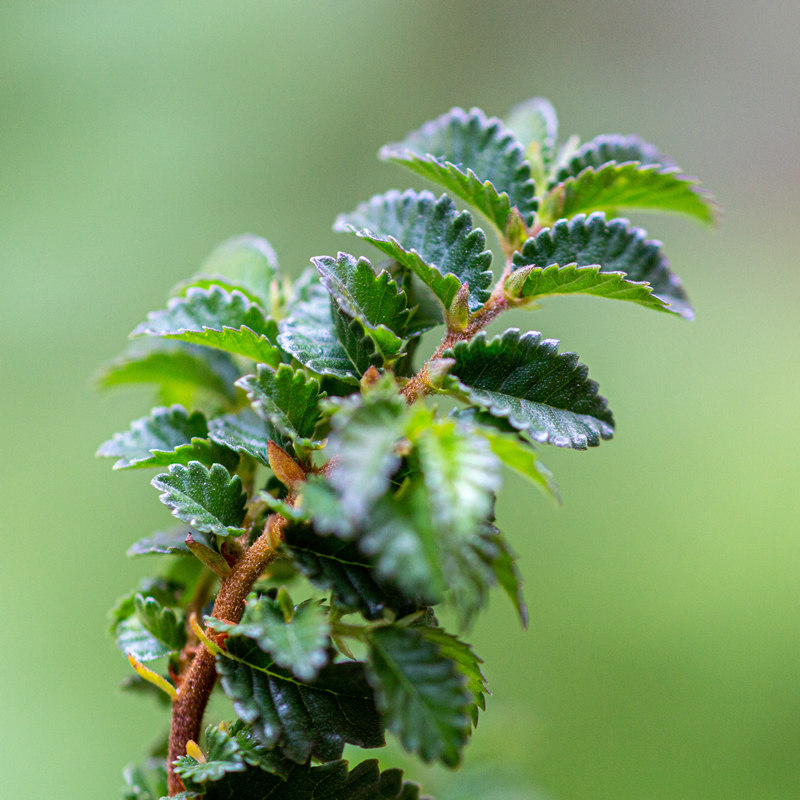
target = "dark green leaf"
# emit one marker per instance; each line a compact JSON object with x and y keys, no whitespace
{"x":244,"y":432}
{"x":162,"y":622}
{"x":299,"y":644}
{"x":304,"y":720}
{"x":184,"y":374}
{"x":588,"y":255}
{"x":374,"y":300}
{"x":170,"y":542}
{"x":308,"y":335}
{"x":337,"y":566}
{"x":287,"y":401}
{"x":145,"y":782}
{"x":523,"y":378}
{"x":430,"y":238}
{"x":629,"y":187}
{"x":475,"y":158}
{"x":422,"y":694}
{"x":359,"y":346}
{"x":214,"y":318}
{"x":208,"y":500}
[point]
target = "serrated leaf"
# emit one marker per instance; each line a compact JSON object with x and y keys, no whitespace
{"x":299,"y":644}
{"x":421,"y":693}
{"x":629,"y":187}
{"x":165,"y":590}
{"x":330,"y":781}
{"x":215,"y":318}
{"x":162,"y":622}
{"x":170,"y":542}
{"x":524,"y":379}
{"x":476,"y":158}
{"x":535,"y":125}
{"x":208,"y":500}
{"x":339,"y":567}
{"x":201,"y":281}
{"x":588,"y":255}
{"x":308,"y":335}
{"x":135,"y":640}
{"x":357,"y":343}
{"x":287,"y":401}
{"x":430,"y":238}
{"x":302,"y":719}
{"x":505,"y":568}
{"x":244,"y":432}
{"x":374,"y":300}
{"x":184,"y":374}
{"x":145,"y":782}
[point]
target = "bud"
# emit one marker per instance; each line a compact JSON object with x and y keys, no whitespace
{"x":286,"y":469}
{"x":457,"y":316}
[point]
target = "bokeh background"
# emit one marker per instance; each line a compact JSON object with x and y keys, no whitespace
{"x":663,"y":656}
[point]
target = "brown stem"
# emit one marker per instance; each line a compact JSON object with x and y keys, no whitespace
{"x":195,"y":687}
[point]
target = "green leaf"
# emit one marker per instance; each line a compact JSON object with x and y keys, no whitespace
{"x":162,"y":622}
{"x":166,"y":591}
{"x":421,"y":693}
{"x":135,"y":640}
{"x":339,"y":567}
{"x":214,"y":318}
{"x":505,"y":568}
{"x":135,"y":684}
{"x":244,"y":432}
{"x":308,"y":335}
{"x":146,"y":782}
{"x":430,"y":238}
{"x":629,"y":187}
{"x":200,"y":281}
{"x":287,"y":401}
{"x":299,"y":644}
{"x":535,"y":125}
{"x":475,"y":158}
{"x":330,"y":781}
{"x":523,"y":378}
{"x":184,"y":374}
{"x":373,"y":299}
{"x":170,"y":542}
{"x":303,"y":719}
{"x":587,"y":255}
{"x":208,"y":500}
{"x":359,"y":346}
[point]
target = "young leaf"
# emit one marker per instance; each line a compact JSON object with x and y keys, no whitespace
{"x":476,"y":158}
{"x":421,"y":693}
{"x":373,"y":299}
{"x":524,"y":379}
{"x":214,"y":318}
{"x":299,"y":644}
{"x":167,"y":592}
{"x":589,"y":255}
{"x":303,"y":719}
{"x":629,"y":187}
{"x":243,"y":432}
{"x":308,"y":335}
{"x":208,"y":500}
{"x":170,"y":542}
{"x":430,"y":238}
{"x":339,"y":567}
{"x":184,"y":374}
{"x":287,"y":401}
{"x":535,"y":125}
{"x":162,"y":622}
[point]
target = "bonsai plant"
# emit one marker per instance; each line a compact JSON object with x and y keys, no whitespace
{"x":301,"y":453}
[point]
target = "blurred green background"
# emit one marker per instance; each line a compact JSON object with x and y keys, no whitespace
{"x":663,"y":656}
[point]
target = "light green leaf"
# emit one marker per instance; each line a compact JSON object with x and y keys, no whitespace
{"x":535,"y":125}
{"x":299,"y":644}
{"x":244,"y":432}
{"x":629,"y":187}
{"x":162,"y":622}
{"x":422,"y":694}
{"x":505,"y":568}
{"x":430,"y":238}
{"x":146,"y":782}
{"x":476,"y":158}
{"x":374,"y":300}
{"x":167,"y":592}
{"x":170,"y":542}
{"x":208,"y":500}
{"x":135,"y":640}
{"x":588,"y":255}
{"x":523,"y":378}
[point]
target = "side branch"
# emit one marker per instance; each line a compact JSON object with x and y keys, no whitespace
{"x":198,"y":682}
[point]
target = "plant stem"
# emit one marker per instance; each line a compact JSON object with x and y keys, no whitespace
{"x":196,"y":685}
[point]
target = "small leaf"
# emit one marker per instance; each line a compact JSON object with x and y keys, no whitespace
{"x":135,"y":640}
{"x":299,"y":644}
{"x":505,"y":568}
{"x":373,"y":299}
{"x":339,"y":567}
{"x":303,"y":719}
{"x":430,"y":238}
{"x":146,"y":782}
{"x":166,"y":591}
{"x":535,"y":125}
{"x":208,"y":500}
{"x":588,"y":255}
{"x":214,"y":318}
{"x":629,"y":187}
{"x":308,"y":335}
{"x":170,"y":542}
{"x":162,"y":622}
{"x":524,"y":379}
{"x":476,"y":158}
{"x":287,"y":401}
{"x":421,"y":692}
{"x":243,"y":432}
